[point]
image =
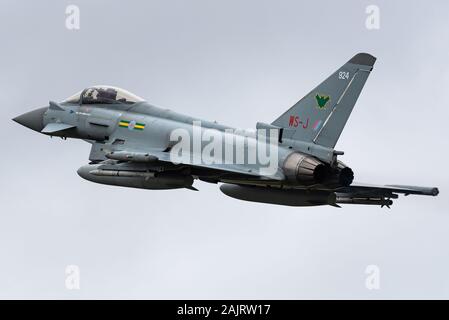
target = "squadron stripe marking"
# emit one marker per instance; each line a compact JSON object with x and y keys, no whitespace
{"x":123,"y":123}
{"x":131,"y":125}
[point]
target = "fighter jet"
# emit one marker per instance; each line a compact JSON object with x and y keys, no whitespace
{"x":291,"y":161}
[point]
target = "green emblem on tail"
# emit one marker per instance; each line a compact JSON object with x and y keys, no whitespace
{"x":322,"y":100}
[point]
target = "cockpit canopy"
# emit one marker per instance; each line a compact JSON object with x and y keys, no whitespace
{"x":103,"y":95}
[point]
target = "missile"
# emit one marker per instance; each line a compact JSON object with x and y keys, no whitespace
{"x":121,"y":173}
{"x":381,"y":201}
{"x":131,"y":156}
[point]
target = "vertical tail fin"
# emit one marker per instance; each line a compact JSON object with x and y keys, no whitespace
{"x":321,"y":115}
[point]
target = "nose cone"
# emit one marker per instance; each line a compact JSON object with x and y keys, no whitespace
{"x":33,"y":119}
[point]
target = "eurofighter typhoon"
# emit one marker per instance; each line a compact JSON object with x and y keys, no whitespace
{"x":291,"y":161}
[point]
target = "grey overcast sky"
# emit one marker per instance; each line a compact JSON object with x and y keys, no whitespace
{"x":237,"y":62}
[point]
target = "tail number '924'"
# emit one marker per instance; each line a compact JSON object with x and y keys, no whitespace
{"x":343,"y":75}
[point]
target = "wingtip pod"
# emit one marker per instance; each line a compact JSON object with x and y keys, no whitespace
{"x":435,"y":191}
{"x":426,"y":191}
{"x":363,"y":59}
